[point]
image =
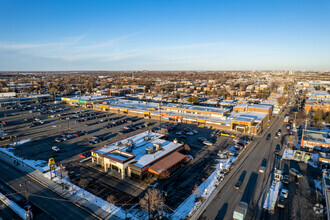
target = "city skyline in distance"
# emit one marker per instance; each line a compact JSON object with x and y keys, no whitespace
{"x":171,"y":35}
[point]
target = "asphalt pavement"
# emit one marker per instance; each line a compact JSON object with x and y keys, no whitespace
{"x":255,"y":186}
{"x":51,"y":203}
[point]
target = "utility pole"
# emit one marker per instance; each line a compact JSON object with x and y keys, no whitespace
{"x":148,"y":208}
{"x":26,"y":192}
{"x":160,"y":116}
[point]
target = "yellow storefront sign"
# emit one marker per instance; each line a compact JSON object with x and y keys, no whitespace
{"x":200,"y":120}
{"x":51,"y":162}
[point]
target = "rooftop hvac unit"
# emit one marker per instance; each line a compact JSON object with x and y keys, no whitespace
{"x":175,"y":141}
{"x":149,"y":150}
{"x":130,"y":149}
{"x":148,"y":138}
{"x":157,"y":146}
{"x":129,"y":142}
{"x":119,"y":143}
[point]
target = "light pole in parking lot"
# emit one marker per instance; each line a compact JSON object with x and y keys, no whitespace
{"x":68,"y":124}
{"x":160,"y":115}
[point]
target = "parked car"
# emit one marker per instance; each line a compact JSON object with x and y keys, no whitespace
{"x":208,"y":143}
{"x":85,"y":155}
{"x":60,"y":139}
{"x":280,"y":203}
{"x":285,"y":179}
{"x":284,"y":193}
{"x":154,"y":129}
{"x":295,"y":172}
{"x":79,"y":133}
{"x":190,"y":133}
{"x":195,"y":131}
{"x":268,"y":136}
{"x":202,"y":139}
{"x":182,"y":137}
{"x":56,"y":149}
{"x":277,"y":149}
{"x":94,"y":141}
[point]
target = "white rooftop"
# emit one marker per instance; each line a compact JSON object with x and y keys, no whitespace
{"x":140,"y":144}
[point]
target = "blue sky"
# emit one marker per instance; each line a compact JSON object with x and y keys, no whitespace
{"x":164,"y":35}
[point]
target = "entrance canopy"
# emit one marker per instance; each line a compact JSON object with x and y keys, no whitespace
{"x":166,"y":163}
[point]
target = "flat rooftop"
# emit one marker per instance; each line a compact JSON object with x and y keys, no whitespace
{"x":88,"y":98}
{"x":141,"y":142}
{"x":316,"y":136}
{"x":248,"y":116}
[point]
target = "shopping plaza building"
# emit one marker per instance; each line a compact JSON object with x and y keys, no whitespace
{"x":246,"y":118}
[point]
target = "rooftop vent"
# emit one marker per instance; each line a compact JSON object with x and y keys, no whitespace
{"x":157,"y":146}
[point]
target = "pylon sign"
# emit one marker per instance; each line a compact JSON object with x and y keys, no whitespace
{"x":51,"y":162}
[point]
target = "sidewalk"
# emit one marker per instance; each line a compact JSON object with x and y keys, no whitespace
{"x":38,"y":176}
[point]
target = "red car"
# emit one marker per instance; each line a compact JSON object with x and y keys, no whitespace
{"x":79,"y":133}
{"x":85,"y":155}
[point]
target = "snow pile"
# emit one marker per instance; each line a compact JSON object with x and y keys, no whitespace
{"x":16,"y":208}
{"x":21,"y":142}
{"x":77,"y":191}
{"x":36,"y":164}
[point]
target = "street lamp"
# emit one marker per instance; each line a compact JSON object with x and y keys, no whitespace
{"x":26,"y":192}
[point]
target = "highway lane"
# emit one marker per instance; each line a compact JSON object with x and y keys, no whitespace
{"x":51,"y":203}
{"x":255,"y":183}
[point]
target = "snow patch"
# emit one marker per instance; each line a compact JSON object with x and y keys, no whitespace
{"x":36,"y":164}
{"x":76,"y":190}
{"x":21,"y":142}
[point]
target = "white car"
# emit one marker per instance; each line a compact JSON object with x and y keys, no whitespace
{"x":56,"y":149}
{"x":190,"y":133}
{"x":178,"y":133}
{"x":284,"y":193}
{"x":195,"y":131}
{"x":208,"y":143}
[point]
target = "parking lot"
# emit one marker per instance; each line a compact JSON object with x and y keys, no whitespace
{"x":66,"y":134}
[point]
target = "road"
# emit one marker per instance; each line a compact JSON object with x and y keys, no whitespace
{"x":51,"y":203}
{"x":6,"y":212}
{"x":255,"y":186}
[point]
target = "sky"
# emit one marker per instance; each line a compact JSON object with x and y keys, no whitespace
{"x":68,"y":35}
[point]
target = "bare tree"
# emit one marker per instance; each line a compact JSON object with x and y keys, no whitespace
{"x":291,"y":141}
{"x":196,"y":191}
{"x":164,"y":175}
{"x":112,"y":200}
{"x":152,"y":201}
{"x":281,"y":100}
{"x":186,"y":147}
{"x":83,"y":183}
{"x":63,"y":172}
